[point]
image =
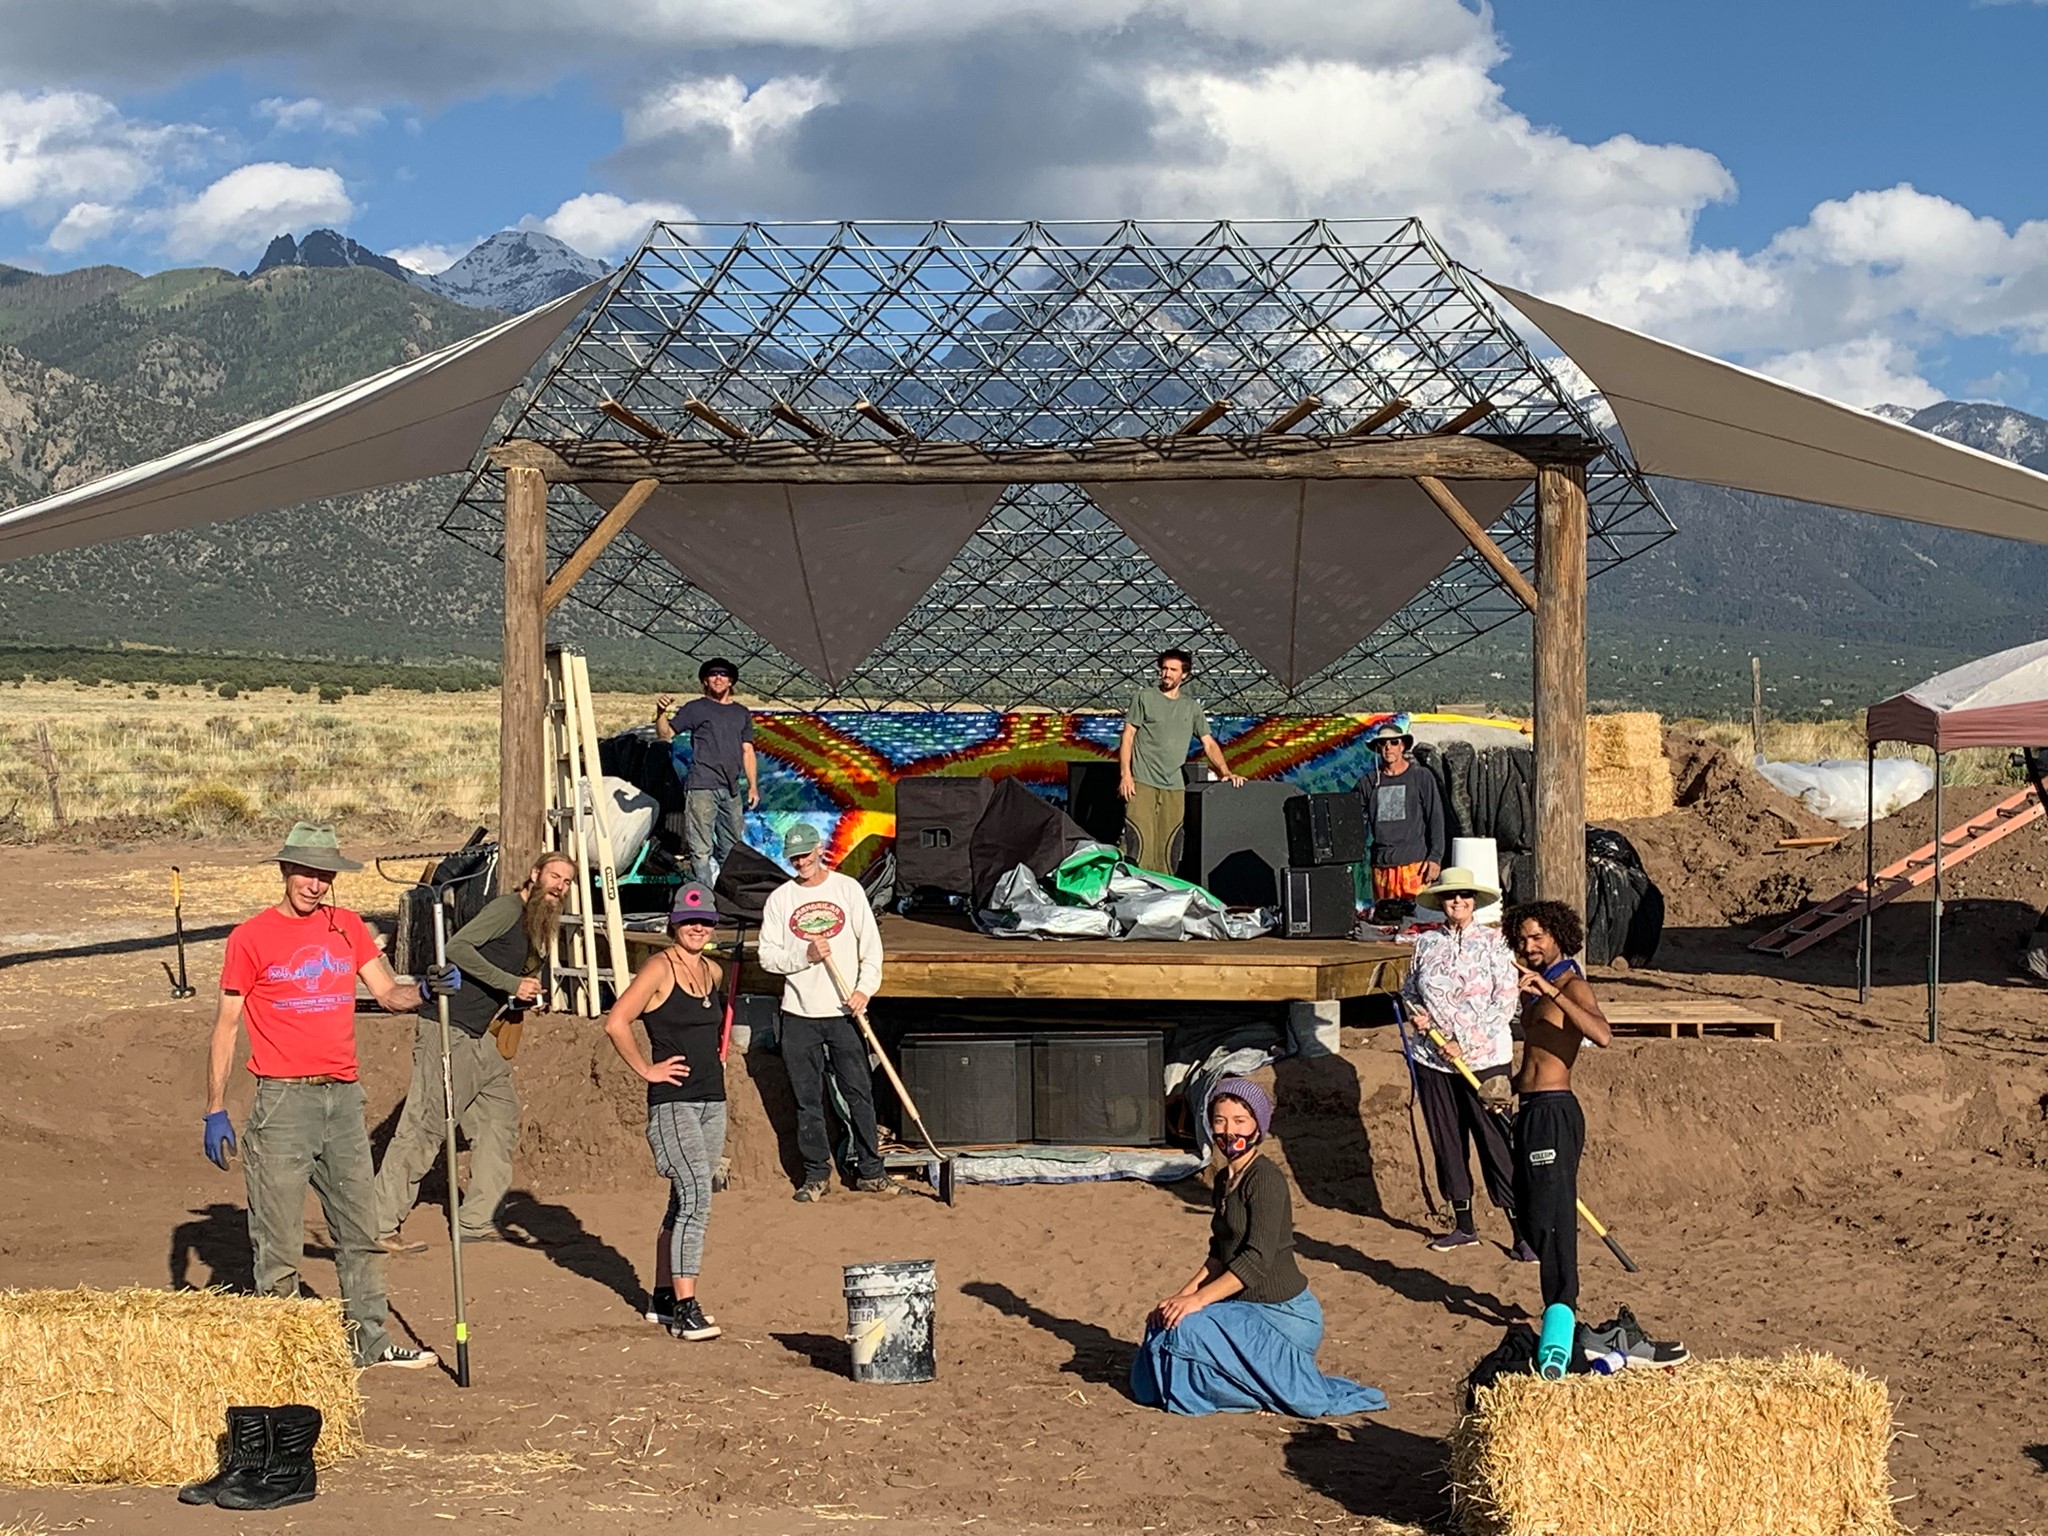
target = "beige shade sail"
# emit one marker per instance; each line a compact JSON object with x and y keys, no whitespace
{"x":1297,"y":571}
{"x":822,"y":573}
{"x":421,"y":418}
{"x":1994,"y":701}
{"x":1697,"y":418}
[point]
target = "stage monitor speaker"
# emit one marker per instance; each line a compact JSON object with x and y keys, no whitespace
{"x":1325,"y":829}
{"x":1093,"y":801}
{"x":935,"y":820}
{"x":972,"y":1090}
{"x":1100,"y":1090}
{"x":1235,"y":841}
{"x":1318,"y":902}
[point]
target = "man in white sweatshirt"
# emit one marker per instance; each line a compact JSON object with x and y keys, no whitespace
{"x":818,"y":933}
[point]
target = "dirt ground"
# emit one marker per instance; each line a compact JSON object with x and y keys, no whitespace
{"x":1849,"y":1189}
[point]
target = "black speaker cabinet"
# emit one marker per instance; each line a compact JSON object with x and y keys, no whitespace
{"x":1100,"y":1090}
{"x":1236,"y":840}
{"x":1325,"y":829}
{"x":1093,"y":801}
{"x":935,"y":819}
{"x":973,"y":1090}
{"x":1317,"y":903}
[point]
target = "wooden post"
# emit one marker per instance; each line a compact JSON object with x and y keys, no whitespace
{"x":1756,"y":705}
{"x":1560,"y":667}
{"x":522,"y":687}
{"x":49,"y":756}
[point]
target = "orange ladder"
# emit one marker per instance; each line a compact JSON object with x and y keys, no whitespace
{"x":1817,"y":922}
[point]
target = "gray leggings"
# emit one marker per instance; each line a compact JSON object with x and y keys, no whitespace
{"x":688,"y":1140}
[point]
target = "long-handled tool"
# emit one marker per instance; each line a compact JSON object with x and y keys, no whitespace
{"x":181,"y":987}
{"x":448,"y":1085}
{"x":860,"y":1017}
{"x":1443,"y":1049}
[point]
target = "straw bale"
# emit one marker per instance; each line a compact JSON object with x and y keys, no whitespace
{"x":1627,"y":794}
{"x":132,"y":1386}
{"x":1736,"y":1447}
{"x":1631,"y":740}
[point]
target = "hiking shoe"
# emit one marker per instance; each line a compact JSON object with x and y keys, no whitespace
{"x":1444,"y":1242}
{"x":690,"y":1323}
{"x":809,"y":1194}
{"x":878,"y":1186}
{"x":391,"y":1242}
{"x":1522,"y":1253}
{"x":407,"y":1359}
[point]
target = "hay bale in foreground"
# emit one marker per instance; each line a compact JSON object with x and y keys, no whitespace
{"x":1792,"y":1447}
{"x":132,"y":1386}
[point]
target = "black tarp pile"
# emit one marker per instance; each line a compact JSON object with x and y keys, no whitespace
{"x":1490,"y":792}
{"x":1624,"y":908}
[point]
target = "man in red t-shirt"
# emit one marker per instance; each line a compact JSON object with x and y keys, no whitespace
{"x":290,"y":976}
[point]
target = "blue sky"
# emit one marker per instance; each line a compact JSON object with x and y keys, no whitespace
{"x":1845,"y":195}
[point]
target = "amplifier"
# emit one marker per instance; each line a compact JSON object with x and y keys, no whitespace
{"x":1100,"y":1090}
{"x":1093,"y":801}
{"x":1318,"y":903}
{"x":973,"y":1090}
{"x":1325,"y":829}
{"x":935,"y":820}
{"x":1236,"y":840}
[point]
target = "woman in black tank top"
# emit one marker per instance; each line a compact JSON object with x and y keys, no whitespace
{"x":678,"y":998}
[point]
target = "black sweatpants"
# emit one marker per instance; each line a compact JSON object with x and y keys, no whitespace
{"x":809,"y":1048}
{"x":1457,"y":1119}
{"x":1550,"y":1133}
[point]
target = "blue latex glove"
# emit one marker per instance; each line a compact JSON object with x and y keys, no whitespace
{"x":440,"y":981}
{"x":220,"y":1138}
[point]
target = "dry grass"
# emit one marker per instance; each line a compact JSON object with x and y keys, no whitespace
{"x":1791,"y":1447}
{"x":1809,"y":741}
{"x":133,"y":1386}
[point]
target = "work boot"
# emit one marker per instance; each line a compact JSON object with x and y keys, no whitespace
{"x":286,"y":1475}
{"x":248,"y":1442}
{"x":392,"y":1243}
{"x":881,"y":1184}
{"x":809,"y":1194}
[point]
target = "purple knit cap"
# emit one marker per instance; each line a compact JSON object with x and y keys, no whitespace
{"x":1250,"y":1095}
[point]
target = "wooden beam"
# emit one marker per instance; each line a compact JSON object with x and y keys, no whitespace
{"x":584,"y":556}
{"x":633,"y":421}
{"x":782,"y":461}
{"x":716,"y":419}
{"x":1211,"y":413}
{"x":1376,"y":420}
{"x":1471,"y":416}
{"x":522,"y":678}
{"x":1560,"y":685}
{"x":1461,"y":519}
{"x":881,"y":418}
{"x":1297,"y":413}
{"x":782,"y":410}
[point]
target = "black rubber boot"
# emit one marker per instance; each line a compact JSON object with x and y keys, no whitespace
{"x":287,"y":1475}
{"x":247,"y":1448}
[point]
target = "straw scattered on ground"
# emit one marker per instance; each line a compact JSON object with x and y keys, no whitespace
{"x":133,"y":1386}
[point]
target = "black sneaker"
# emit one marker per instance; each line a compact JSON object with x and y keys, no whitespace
{"x":407,"y":1359}
{"x":1623,"y":1335}
{"x":691,"y":1323}
{"x":661,"y":1307}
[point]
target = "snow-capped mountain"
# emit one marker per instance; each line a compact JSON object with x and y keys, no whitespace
{"x":514,"y":270}
{"x":1997,"y":429}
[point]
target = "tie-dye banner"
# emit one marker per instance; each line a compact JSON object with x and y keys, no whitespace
{"x":837,"y":769}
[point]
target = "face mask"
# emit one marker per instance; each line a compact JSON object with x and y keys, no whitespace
{"x":1237,"y":1146}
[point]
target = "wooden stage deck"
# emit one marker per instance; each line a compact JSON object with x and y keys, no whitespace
{"x":932,"y":959}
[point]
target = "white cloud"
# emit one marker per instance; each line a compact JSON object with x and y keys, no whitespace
{"x":309,"y":114}
{"x":83,"y":224}
{"x":725,"y":106}
{"x":57,"y":147}
{"x":599,"y":224}
{"x":241,"y":212}
{"x":1868,"y":371}
{"x":430,"y":258}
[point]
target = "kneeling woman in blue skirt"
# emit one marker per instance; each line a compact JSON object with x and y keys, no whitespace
{"x":1241,"y":1335}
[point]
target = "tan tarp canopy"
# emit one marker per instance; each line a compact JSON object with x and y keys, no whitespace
{"x":407,"y":423}
{"x":1696,"y":418}
{"x":1994,"y":701}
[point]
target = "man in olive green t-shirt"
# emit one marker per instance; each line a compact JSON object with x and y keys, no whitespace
{"x":1160,"y":724}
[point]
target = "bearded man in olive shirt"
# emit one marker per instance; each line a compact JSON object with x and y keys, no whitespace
{"x":499,"y":952}
{"x":1157,"y":729}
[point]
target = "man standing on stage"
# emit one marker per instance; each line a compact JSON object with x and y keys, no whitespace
{"x":499,"y":953}
{"x":290,"y":976}
{"x":1405,"y":810}
{"x":721,"y":731}
{"x":818,"y":933}
{"x":1157,"y":729}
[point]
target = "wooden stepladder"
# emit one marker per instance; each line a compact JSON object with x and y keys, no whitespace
{"x":579,"y":824}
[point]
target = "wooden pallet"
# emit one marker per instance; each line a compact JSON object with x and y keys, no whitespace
{"x":1690,"y":1018}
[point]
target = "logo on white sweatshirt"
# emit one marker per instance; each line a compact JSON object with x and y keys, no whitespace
{"x":817,"y":920}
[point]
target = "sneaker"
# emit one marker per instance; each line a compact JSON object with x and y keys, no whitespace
{"x":407,"y":1359}
{"x":391,"y":1242}
{"x":690,"y":1323}
{"x":661,"y":1307}
{"x":1623,"y":1335}
{"x":1444,"y":1242}
{"x":1522,"y":1253}
{"x":878,"y":1186}
{"x":809,"y":1194}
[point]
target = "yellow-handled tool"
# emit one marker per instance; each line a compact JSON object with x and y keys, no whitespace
{"x":181,"y":987}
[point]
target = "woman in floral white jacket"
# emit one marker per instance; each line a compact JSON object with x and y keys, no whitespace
{"x":1462,"y":983}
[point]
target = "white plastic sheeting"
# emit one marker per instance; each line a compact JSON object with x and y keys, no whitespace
{"x":407,"y":423}
{"x":1834,"y":789}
